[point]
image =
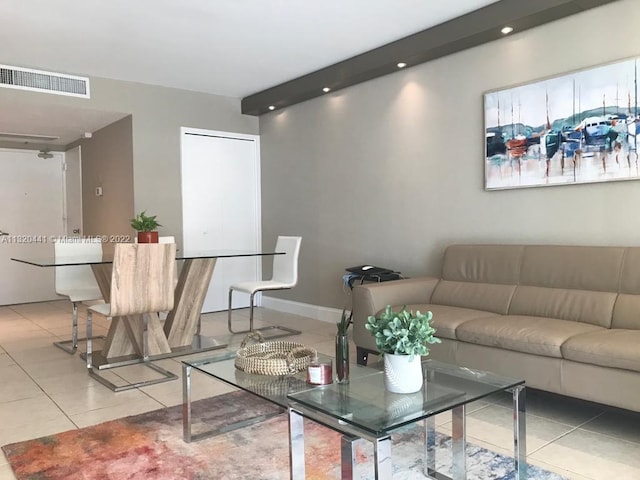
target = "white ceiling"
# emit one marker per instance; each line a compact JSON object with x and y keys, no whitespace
{"x":227,"y":47}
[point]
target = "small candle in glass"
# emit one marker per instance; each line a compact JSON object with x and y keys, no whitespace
{"x":319,"y":373}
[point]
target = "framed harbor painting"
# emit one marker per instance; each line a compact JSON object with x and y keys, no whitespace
{"x":571,"y":129}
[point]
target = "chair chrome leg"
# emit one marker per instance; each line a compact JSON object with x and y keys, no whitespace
{"x":145,"y":337}
{"x":74,"y":327}
{"x":251,"y":311}
{"x":63,"y":344}
{"x":287,"y":331}
{"x":166,"y":374}
{"x":166,"y":377}
{"x":229,"y":314}
{"x":250,"y":314}
{"x":89,"y":341}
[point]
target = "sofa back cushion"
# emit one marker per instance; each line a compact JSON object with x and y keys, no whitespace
{"x":566,"y":304}
{"x":626,"y":313}
{"x":483,"y":263}
{"x":481,"y":277}
{"x":477,"y":296}
{"x":575,"y":283}
{"x":581,"y":268}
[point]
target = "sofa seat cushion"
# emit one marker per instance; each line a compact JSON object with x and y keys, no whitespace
{"x":521,"y":333}
{"x":446,"y":319}
{"x":617,"y":348}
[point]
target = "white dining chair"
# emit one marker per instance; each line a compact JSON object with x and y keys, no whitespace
{"x":76,"y":282}
{"x":141,"y":285}
{"x":284,"y":277}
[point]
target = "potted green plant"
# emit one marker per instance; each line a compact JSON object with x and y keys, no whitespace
{"x":402,"y":338}
{"x":146,"y":227}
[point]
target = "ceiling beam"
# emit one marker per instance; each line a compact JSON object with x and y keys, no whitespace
{"x":470,"y":30}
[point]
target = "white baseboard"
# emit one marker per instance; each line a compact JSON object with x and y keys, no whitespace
{"x":325,"y":314}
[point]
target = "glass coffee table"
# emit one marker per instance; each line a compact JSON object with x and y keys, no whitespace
{"x":271,"y":388}
{"x":363,"y":408}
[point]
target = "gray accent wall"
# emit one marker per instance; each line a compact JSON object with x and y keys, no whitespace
{"x":391,"y":171}
{"x":107,"y":162}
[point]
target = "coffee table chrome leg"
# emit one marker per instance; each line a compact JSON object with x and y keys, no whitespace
{"x":458,"y":443}
{"x":382,"y":458}
{"x":296,"y":445}
{"x":519,"y":432}
{"x":347,"y":448}
{"x":430,"y":446}
{"x":186,"y":402}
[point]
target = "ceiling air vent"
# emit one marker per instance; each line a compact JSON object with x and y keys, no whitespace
{"x":46,"y":82}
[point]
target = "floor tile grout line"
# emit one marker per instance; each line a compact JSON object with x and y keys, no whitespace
{"x":58,"y":406}
{"x":573,"y":429}
{"x":43,"y":390}
{"x":604,"y":434}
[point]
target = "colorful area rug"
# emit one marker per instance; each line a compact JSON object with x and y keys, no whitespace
{"x":150,"y":447}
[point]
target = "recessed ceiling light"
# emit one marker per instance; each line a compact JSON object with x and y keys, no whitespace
{"x":401,"y":65}
{"x":506,"y":30}
{"x":326,"y":89}
{"x":272,"y":107}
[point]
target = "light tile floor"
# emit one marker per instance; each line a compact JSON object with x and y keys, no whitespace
{"x":43,"y":390}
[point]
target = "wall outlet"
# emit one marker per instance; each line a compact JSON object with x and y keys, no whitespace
{"x":98,"y":191}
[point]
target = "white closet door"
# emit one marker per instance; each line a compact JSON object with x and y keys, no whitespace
{"x":221,"y":206}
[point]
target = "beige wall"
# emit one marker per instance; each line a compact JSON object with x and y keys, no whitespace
{"x":391,"y":171}
{"x":157,"y":115}
{"x":107,"y":162}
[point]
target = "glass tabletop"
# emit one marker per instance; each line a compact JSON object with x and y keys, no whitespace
{"x":274,"y":388}
{"x":365,"y":403}
{"x":52,"y":261}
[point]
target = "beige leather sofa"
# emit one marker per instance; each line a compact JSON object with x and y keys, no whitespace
{"x":566,"y":319}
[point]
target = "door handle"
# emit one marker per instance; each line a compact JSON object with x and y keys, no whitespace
{"x":3,"y":233}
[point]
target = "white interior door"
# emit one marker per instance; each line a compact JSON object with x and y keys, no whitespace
{"x":31,"y":195}
{"x":221,"y":206}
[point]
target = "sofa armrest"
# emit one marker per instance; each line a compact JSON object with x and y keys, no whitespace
{"x":370,"y":298}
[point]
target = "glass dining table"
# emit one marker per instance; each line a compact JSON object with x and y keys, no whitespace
{"x":179,"y":335}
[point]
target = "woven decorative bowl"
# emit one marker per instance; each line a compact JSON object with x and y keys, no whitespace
{"x":273,"y":358}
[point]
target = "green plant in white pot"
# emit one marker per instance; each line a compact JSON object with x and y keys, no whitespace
{"x":402,"y":338}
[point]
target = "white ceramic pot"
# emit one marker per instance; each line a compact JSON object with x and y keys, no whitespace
{"x":402,"y":374}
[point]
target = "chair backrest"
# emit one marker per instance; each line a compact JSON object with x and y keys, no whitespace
{"x":142,"y":278}
{"x":165,"y":239}
{"x":285,"y":267}
{"x":74,"y":277}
